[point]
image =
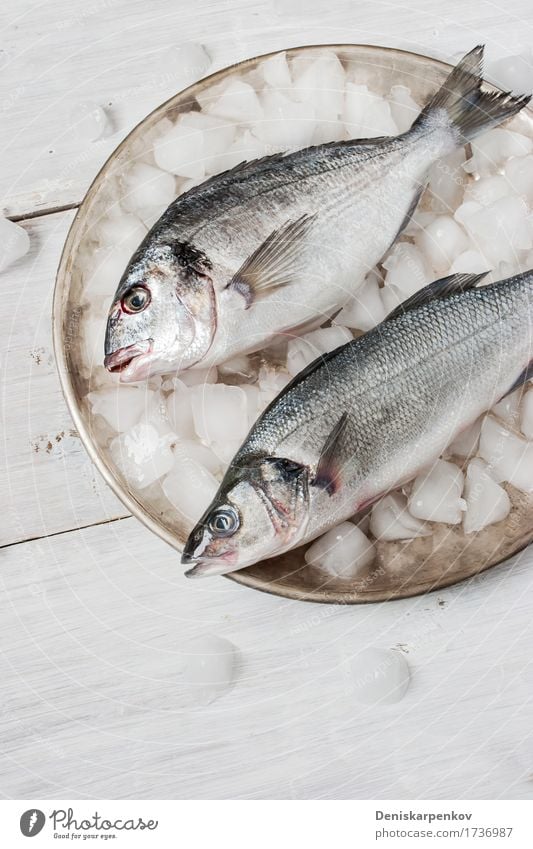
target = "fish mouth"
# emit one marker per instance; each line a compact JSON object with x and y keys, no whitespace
{"x":127,"y":361}
{"x":220,"y":565}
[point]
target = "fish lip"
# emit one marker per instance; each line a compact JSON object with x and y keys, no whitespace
{"x":120,"y":359}
{"x":213,"y":566}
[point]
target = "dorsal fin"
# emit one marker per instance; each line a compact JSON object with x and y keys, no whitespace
{"x":442,"y":288}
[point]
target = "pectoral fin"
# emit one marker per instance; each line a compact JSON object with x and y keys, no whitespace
{"x":328,"y":469}
{"x":275,"y":263}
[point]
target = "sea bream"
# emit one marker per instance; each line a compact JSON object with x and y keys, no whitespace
{"x":362,"y":420}
{"x":280,"y":243}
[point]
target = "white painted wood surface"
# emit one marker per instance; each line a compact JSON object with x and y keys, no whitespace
{"x":94,"y":619}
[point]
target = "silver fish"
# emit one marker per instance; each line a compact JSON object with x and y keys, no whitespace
{"x":366,"y":418}
{"x":277,"y":245}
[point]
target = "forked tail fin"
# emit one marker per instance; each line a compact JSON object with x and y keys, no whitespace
{"x":470,"y":110}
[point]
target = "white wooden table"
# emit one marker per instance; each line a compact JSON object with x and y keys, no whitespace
{"x":94,"y":609}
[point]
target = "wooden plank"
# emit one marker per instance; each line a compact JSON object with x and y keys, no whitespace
{"x":114,"y":53}
{"x":48,"y":481}
{"x":94,"y":626}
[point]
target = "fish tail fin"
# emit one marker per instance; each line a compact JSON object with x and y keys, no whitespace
{"x":469,"y":109}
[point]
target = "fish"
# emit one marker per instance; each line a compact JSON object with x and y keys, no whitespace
{"x":366,"y":418}
{"x":275,"y":246}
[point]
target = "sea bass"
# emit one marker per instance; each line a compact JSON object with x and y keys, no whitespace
{"x":279,"y":244}
{"x":367,"y":417}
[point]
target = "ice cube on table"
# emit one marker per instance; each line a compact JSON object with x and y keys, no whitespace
{"x":186,"y":63}
{"x":379,"y":676}
{"x":407,"y":270}
{"x":180,"y":151}
{"x":512,"y":73}
{"x":275,"y":71}
{"x":190,"y":487}
{"x":146,"y":186}
{"x":14,"y":242}
{"x":519,"y":176}
{"x":441,"y":242}
{"x":526,"y":423}
{"x":120,"y":406}
{"x":220,"y":413}
{"x":304,"y":349}
{"x":466,"y":443}
{"x":366,"y":309}
{"x":509,"y":456}
{"x":366,"y":114}
{"x":404,"y":109}
{"x":486,"y":501}
{"x":209,"y":667}
{"x":390,"y":520}
{"x":436,"y":494}
{"x":179,"y":410}
{"x":89,"y":120}
{"x":237,"y":101}
{"x":344,"y":551}
{"x":142,"y":454}
{"x":286,"y":124}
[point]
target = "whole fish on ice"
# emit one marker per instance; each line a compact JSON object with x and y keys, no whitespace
{"x":280,"y":243}
{"x":366,"y":418}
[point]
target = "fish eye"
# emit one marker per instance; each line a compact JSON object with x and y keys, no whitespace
{"x":136,"y":300}
{"x":224,"y":522}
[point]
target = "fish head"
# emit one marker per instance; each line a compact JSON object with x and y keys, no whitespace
{"x":163,"y":315}
{"x":260,"y":510}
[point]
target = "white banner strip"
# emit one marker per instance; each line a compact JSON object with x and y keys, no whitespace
{"x":268,"y":824}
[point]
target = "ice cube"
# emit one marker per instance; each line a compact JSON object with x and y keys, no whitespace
{"x":486,"y":190}
{"x":271,"y":381}
{"x":390,"y":520}
{"x":304,"y":349}
{"x":199,"y":376}
{"x":142,"y":454}
{"x":469,"y":262}
{"x":102,"y":275}
{"x":512,"y":73}
{"x":220,"y":413}
{"x":407,"y":270}
{"x":500,"y":229}
{"x":365,"y":310}
{"x":275,"y":71}
{"x":519,"y":176}
{"x":189,"y":487}
{"x":366,"y":114}
{"x":508,"y":409}
{"x":486,"y":501}
{"x":322,"y":84}
{"x":121,"y":406}
{"x":209,"y":667}
{"x":237,"y":102}
{"x":89,"y":120}
{"x":404,"y":109}
{"x":447,"y":181}
{"x":239,"y":365}
{"x":146,"y":187}
{"x":14,"y":242}
{"x":344,"y":551}
{"x":441,"y":242}
{"x":465,"y":444}
{"x":286,"y":125}
{"x":121,"y":231}
{"x":194,"y":450}
{"x":180,"y":151}
{"x":179,"y":410}
{"x":526,"y":425}
{"x":379,"y":676}
{"x":495,"y":146}
{"x":436,"y":494}
{"x":509,"y":457}
{"x":186,"y":63}
{"x":217,"y":137}
{"x":253,"y":402}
